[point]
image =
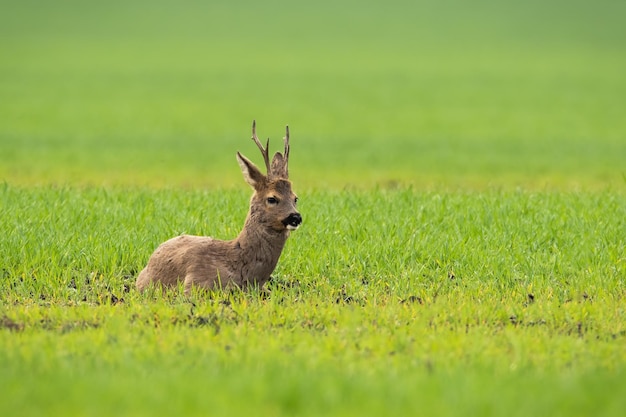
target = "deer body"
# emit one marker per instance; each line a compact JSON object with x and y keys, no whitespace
{"x":249,"y":259}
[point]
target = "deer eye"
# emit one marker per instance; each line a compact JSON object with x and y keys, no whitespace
{"x":295,"y":200}
{"x":272,"y":200}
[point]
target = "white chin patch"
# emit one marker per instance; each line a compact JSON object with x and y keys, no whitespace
{"x":290,"y":227}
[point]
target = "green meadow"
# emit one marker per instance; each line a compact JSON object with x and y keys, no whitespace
{"x":460,"y":172}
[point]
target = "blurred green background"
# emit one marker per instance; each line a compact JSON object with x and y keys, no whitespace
{"x":431,"y":93}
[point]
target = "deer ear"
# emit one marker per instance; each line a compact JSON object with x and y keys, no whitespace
{"x":279,"y":166}
{"x":251,"y":173}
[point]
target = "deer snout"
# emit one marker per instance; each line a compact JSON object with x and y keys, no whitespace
{"x":293,"y":221}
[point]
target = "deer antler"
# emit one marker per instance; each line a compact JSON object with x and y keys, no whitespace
{"x":286,"y":153}
{"x":279,"y":162}
{"x":264,"y":151}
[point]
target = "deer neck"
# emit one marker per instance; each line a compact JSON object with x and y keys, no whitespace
{"x":264,"y":243}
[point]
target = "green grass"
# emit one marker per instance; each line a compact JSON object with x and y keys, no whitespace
{"x":384,"y":301}
{"x":460,"y":169}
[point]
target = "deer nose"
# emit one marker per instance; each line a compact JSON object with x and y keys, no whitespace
{"x":293,"y":220}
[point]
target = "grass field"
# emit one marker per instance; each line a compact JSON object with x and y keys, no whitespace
{"x":461,"y":176}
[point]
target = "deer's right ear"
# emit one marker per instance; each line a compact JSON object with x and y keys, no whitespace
{"x":251,"y":173}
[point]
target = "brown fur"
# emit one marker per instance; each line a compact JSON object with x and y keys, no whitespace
{"x":249,"y":259}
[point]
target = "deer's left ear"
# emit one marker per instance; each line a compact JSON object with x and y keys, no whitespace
{"x":251,"y":173}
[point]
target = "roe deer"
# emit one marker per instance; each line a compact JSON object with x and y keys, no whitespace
{"x":249,"y":259}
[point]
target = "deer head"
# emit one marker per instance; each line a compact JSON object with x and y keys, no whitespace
{"x":273,"y":204}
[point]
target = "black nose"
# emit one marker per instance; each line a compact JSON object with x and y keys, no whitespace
{"x":294,"y":220}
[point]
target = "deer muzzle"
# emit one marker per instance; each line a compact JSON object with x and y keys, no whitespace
{"x":293,"y":221}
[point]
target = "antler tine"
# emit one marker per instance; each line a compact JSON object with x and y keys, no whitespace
{"x":264,"y":151}
{"x":286,"y":153}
